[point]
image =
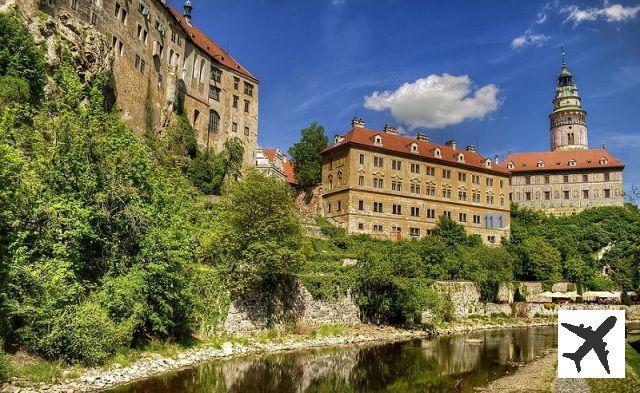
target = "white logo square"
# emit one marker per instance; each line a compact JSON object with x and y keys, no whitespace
{"x":591,"y":344}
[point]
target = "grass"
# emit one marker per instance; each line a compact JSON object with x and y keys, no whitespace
{"x":631,"y":383}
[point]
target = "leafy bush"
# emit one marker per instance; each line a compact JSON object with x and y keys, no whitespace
{"x":6,"y":370}
{"x":13,"y":90}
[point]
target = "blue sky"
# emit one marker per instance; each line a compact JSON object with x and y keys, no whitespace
{"x":480,"y":72}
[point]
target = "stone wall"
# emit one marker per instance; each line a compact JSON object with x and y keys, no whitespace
{"x":465,"y":296}
{"x":251,"y":315}
{"x":530,"y":290}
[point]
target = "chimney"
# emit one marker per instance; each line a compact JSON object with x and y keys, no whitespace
{"x":451,"y":143}
{"x":471,"y":148}
{"x":604,"y":146}
{"x":187,"y":11}
{"x":497,"y":159}
{"x":357,"y":123}
{"x":421,"y":136}
{"x":389,"y":129}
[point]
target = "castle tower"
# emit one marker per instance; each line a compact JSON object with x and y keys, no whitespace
{"x":568,"y":119}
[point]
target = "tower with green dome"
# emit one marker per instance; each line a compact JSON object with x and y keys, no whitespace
{"x":568,"y":129}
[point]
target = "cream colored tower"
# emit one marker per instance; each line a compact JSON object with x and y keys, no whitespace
{"x":568,"y":119}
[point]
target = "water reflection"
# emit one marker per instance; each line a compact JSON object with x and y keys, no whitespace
{"x":416,"y":366}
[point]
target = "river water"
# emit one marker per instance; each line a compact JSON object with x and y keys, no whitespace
{"x":442,"y":364}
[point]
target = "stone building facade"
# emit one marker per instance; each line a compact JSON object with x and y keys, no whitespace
{"x":393,"y":187}
{"x":273,"y":162}
{"x":571,"y":177}
{"x":162,"y":61}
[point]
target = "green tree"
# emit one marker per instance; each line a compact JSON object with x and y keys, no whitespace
{"x":305,"y":155}
{"x":454,"y":234}
{"x":20,"y":57}
{"x":257,"y":239}
{"x":542,"y":260}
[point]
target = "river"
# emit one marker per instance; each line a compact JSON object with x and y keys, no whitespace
{"x":430,"y":365}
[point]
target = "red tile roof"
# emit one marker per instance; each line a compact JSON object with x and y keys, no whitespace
{"x":402,"y":144}
{"x":559,"y":160}
{"x":270,"y":154}
{"x":206,"y":44}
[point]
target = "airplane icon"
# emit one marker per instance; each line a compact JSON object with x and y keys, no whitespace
{"x":593,"y":339}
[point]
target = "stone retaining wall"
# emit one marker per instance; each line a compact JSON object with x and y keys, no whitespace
{"x":252,"y":315}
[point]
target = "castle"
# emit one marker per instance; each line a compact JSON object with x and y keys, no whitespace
{"x":162,"y":62}
{"x":570,"y":177}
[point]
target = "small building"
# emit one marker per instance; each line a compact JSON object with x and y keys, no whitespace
{"x":274,"y":163}
{"x":390,"y":186}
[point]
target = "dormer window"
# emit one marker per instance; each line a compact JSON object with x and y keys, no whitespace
{"x":603,"y":161}
{"x":540,"y":164}
{"x":414,"y":147}
{"x":337,"y":139}
{"x":511,"y":165}
{"x":437,"y":152}
{"x":572,"y":162}
{"x":487,"y":163}
{"x":460,"y":157}
{"x":377,"y":140}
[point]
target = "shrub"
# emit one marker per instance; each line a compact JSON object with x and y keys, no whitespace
{"x":5,"y":365}
{"x":13,"y":89}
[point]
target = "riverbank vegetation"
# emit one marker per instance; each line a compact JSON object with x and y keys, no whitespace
{"x":110,"y":241}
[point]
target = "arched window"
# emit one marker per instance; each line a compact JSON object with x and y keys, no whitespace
{"x":571,"y":138}
{"x":214,"y":121}
{"x":201,"y":70}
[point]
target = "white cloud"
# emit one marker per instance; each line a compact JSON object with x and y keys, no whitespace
{"x":609,"y":13}
{"x":541,"y":18}
{"x":436,"y":101}
{"x":338,"y":2}
{"x":528,"y":38}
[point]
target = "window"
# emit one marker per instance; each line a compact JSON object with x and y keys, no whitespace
{"x":377,"y":182}
{"x":361,"y":226}
{"x":585,"y":194}
{"x":94,"y":18}
{"x":447,"y":214}
{"x":446,"y":174}
{"x":527,"y":196}
{"x":235,"y":101}
{"x":328,"y":207}
{"x":361,"y":159}
{"x":431,"y":190}
{"x":547,"y":179}
{"x":159,"y":82}
{"x":196,"y":117}
{"x":462,"y":217}
{"x":501,"y":183}
{"x":566,"y":194}
{"x":377,"y":228}
{"x":396,"y":185}
{"x":446,"y":193}
{"x":234,"y":127}
{"x":431,"y":171}
{"x":462,"y":195}
{"x":475,"y":197}
{"x":236,"y":82}
{"x":377,"y":140}
{"x":377,"y":207}
{"x":117,"y":45}
{"x":123,"y":16}
{"x":415,"y":188}
{"x":248,"y":89}
{"x":476,"y":219}
{"x":397,"y":209}
{"x":607,"y":193}
{"x":607,"y":177}
{"x":361,"y":181}
{"x":339,"y":206}
{"x":585,"y":178}
{"x":414,"y":232}
{"x":490,"y":199}
{"x":396,"y":165}
{"x":431,"y":213}
{"x":74,"y":5}
{"x":117,"y":10}
{"x":246,"y":105}
{"x":527,"y":180}
{"x":462,"y":176}
{"x":489,"y":181}
{"x":565,"y":178}
{"x":502,"y":201}
{"x":378,"y":161}
{"x":214,"y":121}
{"x":216,"y":74}
{"x":201,"y":71}
{"x":246,"y":131}
{"x":214,"y":93}
{"x":360,"y":204}
{"x":415,"y":211}
{"x":475,"y":179}
{"x":547,"y":195}
{"x":415,"y":168}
